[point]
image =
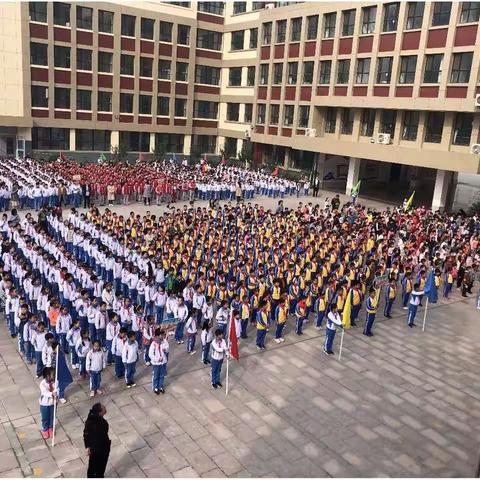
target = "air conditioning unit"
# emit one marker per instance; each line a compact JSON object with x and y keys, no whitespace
{"x":310,"y":132}
{"x":475,"y":148}
{"x":248,"y":133}
{"x":269,"y":6}
{"x":67,"y":24}
{"x":477,"y":100}
{"x":383,"y":138}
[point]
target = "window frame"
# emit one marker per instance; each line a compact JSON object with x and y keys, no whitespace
{"x":84,"y":23}
{"x":408,"y":69}
{"x":66,"y":92}
{"x":348,"y":23}
{"x":43,"y":53}
{"x":296,"y":25}
{"x":81,"y":102}
{"x":43,"y":97}
{"x":460,"y":72}
{"x":101,"y":99}
{"x":165,"y":32}
{"x":364,"y":73}
{"x":369,"y":24}
{"x":329,"y":24}
{"x":472,"y":7}
{"x":163,"y":101}
{"x":411,"y":22}
{"x":105,"y":24}
{"x":409,"y":127}
{"x":325,"y":73}
{"x":237,"y":40}
{"x":81,"y":57}
{"x":312,"y":31}
{"x":147,"y":24}
{"x":430,"y":58}
{"x":126,"y":27}
{"x":343,"y":73}
{"x":433,"y":120}
{"x":233,"y":75}
{"x":37,"y":12}
{"x":386,"y":73}
{"x":280,"y":31}
{"x":57,"y":49}
{"x":288,"y":115}
{"x":439,"y":17}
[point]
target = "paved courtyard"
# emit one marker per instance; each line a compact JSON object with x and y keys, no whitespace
{"x":403,"y":403}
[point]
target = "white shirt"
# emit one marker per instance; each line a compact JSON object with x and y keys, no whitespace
{"x":333,"y":320}
{"x":219,"y":349}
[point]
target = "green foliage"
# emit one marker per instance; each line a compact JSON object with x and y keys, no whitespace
{"x":159,"y":151}
{"x":475,"y":208}
{"x":119,"y":153}
{"x":245,"y":156}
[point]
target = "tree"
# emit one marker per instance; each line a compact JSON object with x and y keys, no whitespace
{"x":159,"y":151}
{"x":246,"y":154}
{"x":119,"y":153}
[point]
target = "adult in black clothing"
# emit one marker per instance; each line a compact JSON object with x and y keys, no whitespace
{"x":97,"y":442}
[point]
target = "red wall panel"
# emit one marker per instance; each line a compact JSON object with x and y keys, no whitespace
{"x":322,"y":91}
{"x":180,"y":121}
{"x":387,"y":42}
{"x":290,"y":93}
{"x":163,"y":121}
{"x":286,"y":132}
{"x":326,"y":47}
{"x":265,"y":53}
{"x":411,"y":40}
{"x":207,"y":89}
{"x":84,"y":116}
{"x":105,"y":81}
{"x":105,"y":41}
{"x":294,"y":50}
{"x":382,"y":91}
{"x":181,"y":88}
{"x":127,"y":44}
{"x":208,"y":54}
{"x":456,"y":92}
{"x":359,"y":91}
{"x":146,"y":47}
{"x":306,"y":93}
{"x":259,"y":129}
{"x":39,"y":74}
{"x":404,"y":91}
{"x":104,"y":117}
{"x":278,"y":51}
{"x":146,"y":85}
{"x":62,"y":76}
{"x":164,"y":87}
{"x":84,"y":38}
{"x":465,"y":36}
{"x":309,"y":50}
{"x":210,"y":18}
{"x":340,"y":91}
{"x":84,"y":79}
{"x":144,"y":119}
{"x":437,"y":38}
{"x":429,"y":92}
{"x":126,"y":118}
{"x":61,"y":114}
{"x":127,"y":83}
{"x":275,"y":93}
{"x":183,"y":52}
{"x":205,"y":124}
{"x":39,"y":31}
{"x":345,"y":46}
{"x":365,"y":44}
{"x":39,"y":113}
{"x":61,"y":34}
{"x":272,"y":130}
{"x":262,"y":93}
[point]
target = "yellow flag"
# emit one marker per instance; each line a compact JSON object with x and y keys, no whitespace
{"x":408,"y":203}
{"x":347,"y":310}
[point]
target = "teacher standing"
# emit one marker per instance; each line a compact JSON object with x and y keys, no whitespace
{"x":97,"y":442}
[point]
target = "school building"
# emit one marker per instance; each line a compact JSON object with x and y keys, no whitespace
{"x":387,"y":93}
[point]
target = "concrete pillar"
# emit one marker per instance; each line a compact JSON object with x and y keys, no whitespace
{"x":353,"y":174}
{"x":286,"y":158}
{"x":440,"y":192}
{"x":72,"y":140}
{"x":115,"y":138}
{"x":320,"y":162}
{"x":187,"y":142}
{"x":151,"y":147}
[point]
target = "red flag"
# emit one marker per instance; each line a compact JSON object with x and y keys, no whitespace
{"x":275,"y":172}
{"x":233,"y":340}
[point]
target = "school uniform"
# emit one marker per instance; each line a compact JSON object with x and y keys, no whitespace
{"x":118,"y":345}
{"x":38,"y":342}
{"x":415,"y":298}
{"x":191,"y":329}
{"x":301,"y":314}
{"x":82,"y":348}
{"x":129,"y":359}
{"x":101,"y":320}
{"x":407,"y":287}
{"x":448,"y":284}
{"x":206,"y":338}
{"x":281,"y":313}
{"x":158,"y":360}
{"x":95,"y":362}
{"x":72,"y":337}
{"x":46,"y":402}
{"x":111,"y":331}
{"x":371,"y":305}
{"x":147,"y":338}
{"x":219,"y":350}
{"x":334,"y":322}
{"x":222,"y":319}
{"x":181,"y":314}
{"x":262,"y":326}
{"x":390,"y":295}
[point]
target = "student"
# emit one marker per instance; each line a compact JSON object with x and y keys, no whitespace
{"x":206,"y":337}
{"x":407,"y":286}
{"x":415,"y":299}
{"x":181,"y":315}
{"x":219,"y":351}
{"x":371,"y":306}
{"x":101,"y":320}
{"x":129,"y":359}
{"x":222,"y":316}
{"x":301,"y":314}
{"x":64,"y":323}
{"x":160,"y":298}
{"x":281,"y":313}
{"x":48,"y":394}
{"x":390,"y":295}
{"x":47,"y":351}
{"x":334,"y":321}
{"x":262,"y":325}
{"x":158,"y":359}
{"x":448,"y":283}
{"x":244,"y":316}
{"x":147,"y":337}
{"x":113,"y":327}
{"x":95,"y":362}
{"x":72,"y":339}
{"x":191,"y":329}
{"x":28,"y":332}
{"x":38,"y":341}
{"x":118,"y":344}
{"x":82,"y":348}
{"x":319,"y":308}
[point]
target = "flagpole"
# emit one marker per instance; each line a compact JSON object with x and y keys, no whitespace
{"x":55,"y":398}
{"x":341,"y":345}
{"x":425,"y":316}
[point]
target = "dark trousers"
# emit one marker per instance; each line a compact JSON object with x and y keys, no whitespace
{"x":97,"y":463}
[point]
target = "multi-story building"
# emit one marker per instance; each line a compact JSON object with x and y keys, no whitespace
{"x":383,"y":92}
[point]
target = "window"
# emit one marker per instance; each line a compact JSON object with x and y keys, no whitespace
{"x":264,"y":74}
{"x":281,"y":31}
{"x":233,"y":112}
{"x":181,"y":74}
{"x":462,"y":130}
{"x":441,"y":13}
{"x":261,"y":108}
{"x":277,"y":73}
{"x":230,"y":147}
{"x":369,"y":15}
{"x":267,"y":33}
{"x":126,"y":103}
{"x":433,"y":68}
{"x":258,"y":5}
{"x":172,"y":142}
{"x":61,"y":56}
{"x":183,"y":35}
{"x":330,"y":120}
{"x":211,"y":7}
{"x":104,"y":103}
{"x":147,"y":26}
{"x":209,"y":39}
{"x":235,"y":77}
{"x":166,"y":31}
{"x":237,"y":40}
{"x":38,"y":11}
{"x":84,"y":59}
{"x":274,"y":114}
{"x":410,"y":125}
{"x":84,"y":18}
{"x":38,"y":53}
{"x":325,"y":71}
{"x":367,"y":122}
{"x":343,"y":71}
{"x":145,"y":105}
{"x":415,"y":15}
{"x":384,"y":69}
{"x":363,"y":70}
{"x":292,"y":73}
{"x":307,"y":73}
{"x":62,"y":98}
{"x":146,"y":67}
{"x":388,"y":119}
{"x":239,"y":7}
{"x":39,"y":96}
{"x":84,"y":100}
{"x":105,"y":60}
{"x":408,"y":66}
{"x":205,"y":143}
{"x":135,"y":141}
{"x":61,"y":14}
{"x":92,"y":140}
{"x":348,"y":22}
{"x":251,"y":76}
{"x":180,"y":107}
{"x":105,"y":21}
{"x":163,"y":106}
{"x":303,"y":116}
{"x":128,"y":25}
{"x":329,"y":20}
{"x":470,"y":12}
{"x":296,"y":30}
{"x":127,"y":64}
{"x":434,"y":127}
{"x":180,"y":4}
{"x":288,"y":112}
{"x":461,"y":67}
{"x":50,"y":138}
{"x":207,"y":75}
{"x":346,"y":123}
{"x":253,"y":38}
{"x":164,"y":69}
{"x":390,"y":17}
{"x":312,"y":27}
{"x":247,"y":118}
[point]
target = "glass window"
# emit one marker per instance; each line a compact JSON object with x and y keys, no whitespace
{"x":390,"y":17}
{"x":325,"y":71}
{"x":253,"y":38}
{"x":207,"y":75}
{"x":470,"y":12}
{"x":248,"y":113}
{"x":105,"y":60}
{"x":211,"y":7}
{"x":388,"y":119}
{"x":277,"y":73}
{"x":38,"y":11}
{"x":104,"y":103}
{"x":50,"y":138}
{"x":62,"y":98}
{"x":312,"y":27}
{"x":434,"y":127}
{"x":84,"y":18}
{"x":296,"y":30}
{"x":233,"y":112}
{"x":369,"y":14}
{"x":303,"y":116}
{"x":281,"y":31}
{"x":172,"y":142}
{"x":461,"y":67}
{"x":135,"y":141}
{"x":330,"y":120}
{"x":38,"y":53}
{"x":415,"y":15}
{"x":163,"y":106}
{"x":183,"y":35}
{"x":128,"y":25}
{"x":348,"y":22}
{"x":433,"y":68}
{"x":367,"y":122}
{"x":126,"y":103}
{"x":92,"y":140}
{"x":147,"y":26}
{"x":166,"y":31}
{"x":181,"y":74}
{"x":209,"y":39}
{"x":39,"y":96}
{"x":264,"y":74}
{"x":441,"y":13}
{"x":127,"y":64}
{"x":258,"y":5}
{"x":145,"y":105}
{"x":180,"y":107}
{"x":61,"y":14}
{"x":84,"y":59}
{"x":410,"y":125}
{"x":238,"y":38}
{"x":164,"y":69}
{"x":105,"y":21}
{"x":230,"y":147}
{"x":363,"y":70}
{"x":251,"y":76}
{"x":61,"y":56}
{"x":292,"y":73}
{"x":346,"y":122}
{"x":261,"y":108}
{"x":329,"y":20}
{"x":239,"y":7}
{"x":288,"y":112}
{"x":274,"y":114}
{"x":84,"y":100}
{"x":384,"y":69}
{"x":462,"y":130}
{"x":408,"y":67}
{"x":146,"y":67}
{"x":235,"y":77}
{"x":307,"y":73}
{"x":343,"y":71}
{"x":267,"y":33}
{"x":205,"y":143}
